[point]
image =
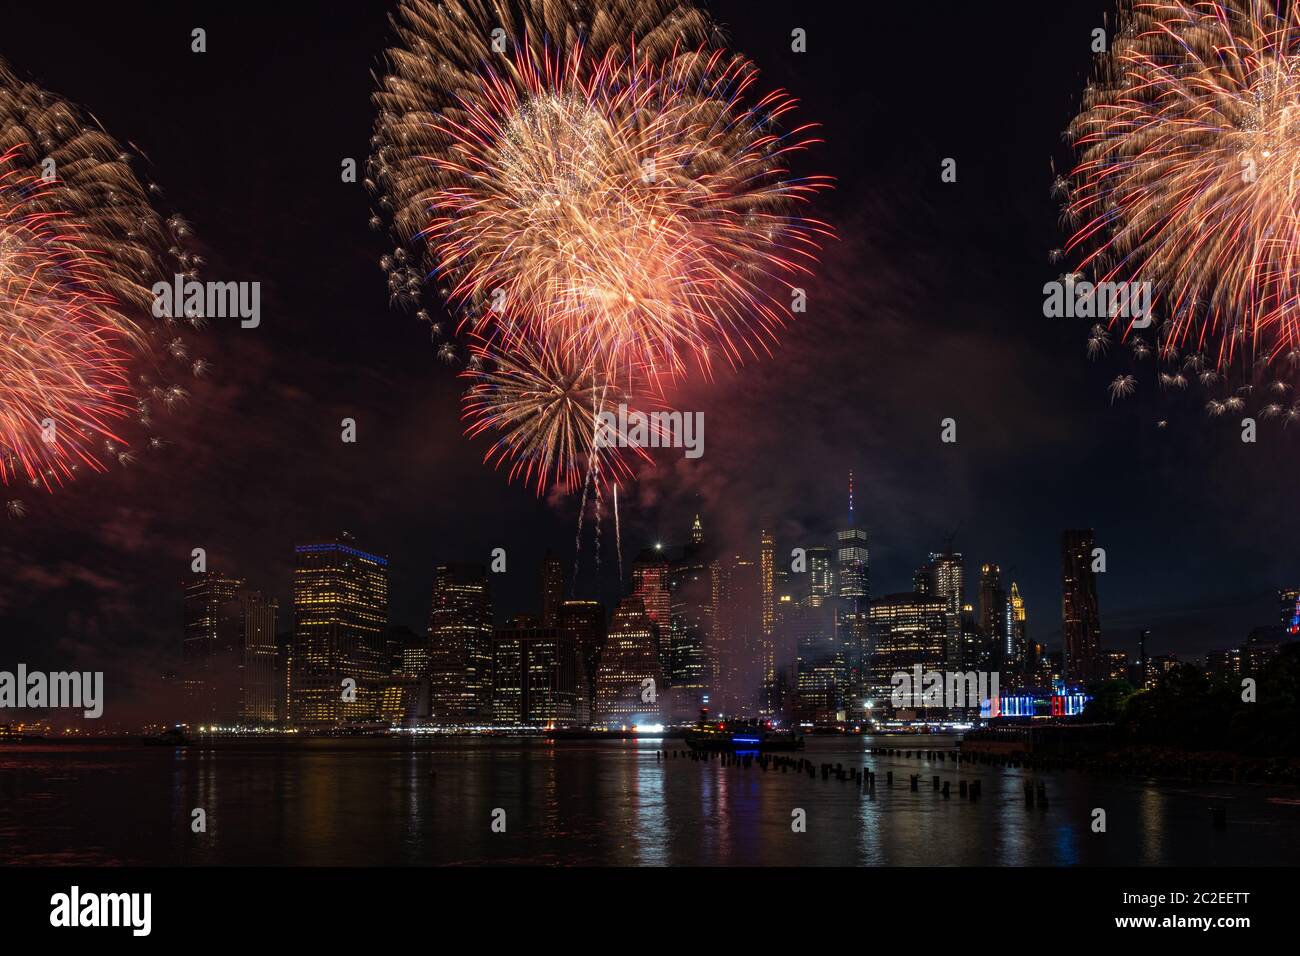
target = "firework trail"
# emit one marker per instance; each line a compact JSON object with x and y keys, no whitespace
{"x":1188,"y":177}
{"x":600,"y":193}
{"x":83,"y":365}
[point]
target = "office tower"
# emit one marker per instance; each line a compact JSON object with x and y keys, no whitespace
{"x":250,"y":616}
{"x":736,"y":639}
{"x":908,"y":629}
{"x":404,"y":699}
{"x":1081,"y":622}
{"x":628,"y":676}
{"x":942,"y":578}
{"x":1289,"y":601}
{"x":460,"y":646}
{"x":993,"y":614}
{"x":1143,"y":662}
{"x":584,"y":621}
{"x":552,"y":590}
{"x":690,"y":599}
{"x":340,"y":610}
{"x":853,"y":631}
{"x":976,"y":651}
{"x":851,"y":574}
{"x":768,"y":702}
{"x":821,"y":575}
{"x":820,"y":665}
{"x":650,"y":584}
{"x":537,"y":678}
{"x":284,"y":677}
{"x":207,"y":598}
{"x":1015,"y":669}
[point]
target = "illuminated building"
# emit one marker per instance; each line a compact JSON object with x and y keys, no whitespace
{"x":628,"y":677}
{"x":768,"y":702}
{"x":1116,"y":663}
{"x":650,"y":584}
{"x":735,"y":654}
{"x":584,"y":621}
{"x":853,"y":630}
{"x":994,"y":611}
{"x":1289,"y":599}
{"x":460,"y":646}
{"x":908,"y":629}
{"x":851,"y":559}
{"x":690,"y":592}
{"x":250,"y":615}
{"x":537,"y":678}
{"x":203,"y":656}
{"x":1226,"y":663}
{"x":1263,"y":644}
{"x":942,"y":578}
{"x":340,"y":608}
{"x":552,"y":590}
{"x":1015,"y":666}
{"x":1080,"y":619}
{"x":821,"y":664}
{"x":404,"y":698}
{"x":821,"y":575}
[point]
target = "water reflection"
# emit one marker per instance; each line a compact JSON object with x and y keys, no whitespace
{"x":430,"y":801}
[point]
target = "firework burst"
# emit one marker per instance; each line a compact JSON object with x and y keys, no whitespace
{"x":600,"y":195}
{"x":82,"y":363}
{"x":1188,"y":178}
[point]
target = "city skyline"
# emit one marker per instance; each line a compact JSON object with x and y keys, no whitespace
{"x":692,"y":619}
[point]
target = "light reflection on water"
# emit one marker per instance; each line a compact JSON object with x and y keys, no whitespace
{"x":430,"y":801}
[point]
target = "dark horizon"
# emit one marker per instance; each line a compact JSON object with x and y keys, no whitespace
{"x":928,"y":305}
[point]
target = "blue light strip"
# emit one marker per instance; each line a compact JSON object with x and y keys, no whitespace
{"x":320,"y":548}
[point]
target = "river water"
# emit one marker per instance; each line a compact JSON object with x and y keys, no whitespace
{"x":433,"y":801}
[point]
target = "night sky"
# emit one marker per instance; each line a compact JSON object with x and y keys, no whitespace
{"x":929,"y":305}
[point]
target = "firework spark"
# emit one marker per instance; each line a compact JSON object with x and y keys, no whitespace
{"x":1188,"y":177}
{"x":80,"y":247}
{"x":544,"y":408}
{"x":601,"y":191}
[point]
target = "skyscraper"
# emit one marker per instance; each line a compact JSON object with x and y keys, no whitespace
{"x":650,"y":584}
{"x":203,"y":672}
{"x":690,"y":589}
{"x":250,"y":616}
{"x":908,"y":629}
{"x":552,"y":590}
{"x":768,"y":703}
{"x":460,"y":646}
{"x":628,"y":676}
{"x":585,"y":622}
{"x":537,"y":678}
{"x":821,"y":575}
{"x":851,"y":559}
{"x":942,"y":578}
{"x":735,"y":653}
{"x":1080,"y":619}
{"x":1017,"y":660}
{"x":821,"y":665}
{"x":340,"y":607}
{"x":993,"y":614}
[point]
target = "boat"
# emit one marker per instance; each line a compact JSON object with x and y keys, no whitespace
{"x":171,"y":737}
{"x":738,"y":735}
